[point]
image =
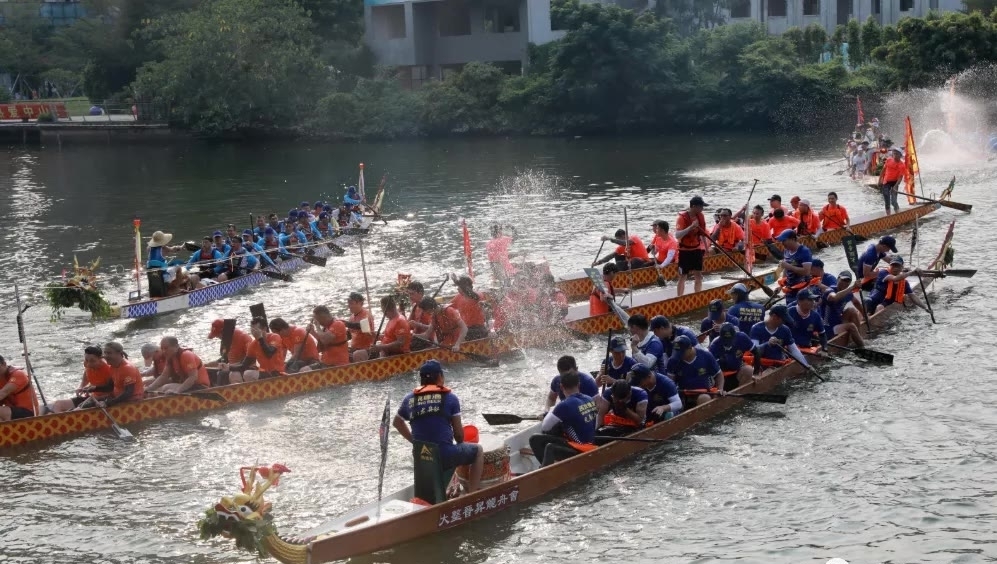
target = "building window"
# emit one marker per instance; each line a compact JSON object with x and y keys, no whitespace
{"x":811,"y":7}
{"x":933,"y":4}
{"x":454,"y":18}
{"x":501,"y":19}
{"x":388,"y":21}
{"x":740,"y":8}
{"x":906,"y":5}
{"x":777,"y":8}
{"x":877,"y":7}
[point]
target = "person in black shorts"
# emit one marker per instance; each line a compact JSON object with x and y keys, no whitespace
{"x":690,"y":232}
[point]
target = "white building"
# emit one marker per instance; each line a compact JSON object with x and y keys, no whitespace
{"x":780,"y":15}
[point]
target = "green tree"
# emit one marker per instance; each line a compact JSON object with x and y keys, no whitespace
{"x":335,"y":20}
{"x":983,"y":6}
{"x":233,"y":65}
{"x":930,"y":49}
{"x":853,"y":34}
{"x":465,"y":103}
{"x":872,"y":37}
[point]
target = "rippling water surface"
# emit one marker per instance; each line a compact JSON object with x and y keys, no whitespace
{"x":879,"y":464}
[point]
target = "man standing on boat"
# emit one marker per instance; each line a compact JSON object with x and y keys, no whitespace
{"x":17,"y":396}
{"x":775,"y":203}
{"x":729,"y":349}
{"x":568,"y":429}
{"x":567,"y":365}
{"x":434,"y":412}
{"x":497,"y":250}
{"x":747,"y":312}
{"x":894,"y":171}
{"x":690,"y":230}
{"x":796,"y":262}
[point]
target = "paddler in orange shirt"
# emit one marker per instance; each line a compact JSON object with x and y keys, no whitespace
{"x":780,"y":222}
{"x":470,"y":305}
{"x":266,"y":351}
{"x":775,"y":203}
{"x":95,"y":385}
{"x":332,"y":337}
{"x":809,"y":222}
{"x":397,"y":336}
{"x":627,"y":256}
{"x":599,"y":301}
{"x":17,"y":397}
{"x":299,"y":343}
{"x":894,"y":171}
{"x":446,"y":328}
{"x":184,"y":370}
{"x":761,"y":231}
{"x":125,"y":377}
{"x":728,"y":235}
{"x":361,"y":326}
{"x":833,"y":215}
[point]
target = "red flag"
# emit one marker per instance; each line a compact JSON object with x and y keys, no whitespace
{"x":858,"y":102}
{"x":467,"y":249}
{"x":910,"y":162}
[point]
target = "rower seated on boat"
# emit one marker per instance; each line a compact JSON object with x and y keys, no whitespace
{"x":892,"y":287}
{"x":695,"y":371}
{"x":729,"y":349}
{"x":599,"y":300}
{"x":869,"y":261}
{"x":667,"y":332}
{"x":567,"y":365}
{"x":221,"y":245}
{"x":664,"y":246}
{"x":809,"y":221}
{"x":17,"y":396}
{"x":446,"y":327}
{"x":806,"y":324}
{"x":645,"y":346}
{"x":622,"y":409}
{"x":796,"y":262}
{"x":298,"y":342}
{"x":125,"y":378}
{"x":418,"y":318}
{"x":630,"y":253}
{"x":272,"y":246}
{"x":772,"y":338}
{"x":833,"y":215}
{"x":820,"y":281}
{"x":205,"y":259}
{"x":434,"y":413}
{"x":306,"y":226}
{"x":663,"y":399}
{"x":184,"y":370}
{"x":249,"y":243}
{"x":746,"y":311}
{"x":397,"y":336}
{"x":265,"y":355}
{"x":717,"y":315}
{"x":619,"y":365}
{"x":470,"y":304}
{"x":232,"y":353}
{"x":324,"y":227}
{"x":332,"y":338}
{"x":153,"y":362}
{"x":761,"y":231}
{"x":836,"y":311}
{"x":157,"y":244}
{"x":780,"y":222}
{"x":95,"y":385}
{"x":728,"y":234}
{"x":292,"y":239}
{"x":238,"y":262}
{"x":361,"y":326}
{"x":569,"y":428}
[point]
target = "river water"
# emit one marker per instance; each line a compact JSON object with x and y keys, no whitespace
{"x":878,"y":464}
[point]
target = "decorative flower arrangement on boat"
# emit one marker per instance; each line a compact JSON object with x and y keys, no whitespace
{"x":78,"y":290}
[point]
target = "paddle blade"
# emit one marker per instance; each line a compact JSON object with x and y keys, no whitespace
{"x":276,"y":275}
{"x":874,"y":356}
{"x":259,"y":310}
{"x":191,"y":247}
{"x":336,"y":249}
{"x":768,"y":398}
{"x":506,"y":418}
{"x":312,"y":259}
{"x":959,"y":273}
{"x":956,"y":205}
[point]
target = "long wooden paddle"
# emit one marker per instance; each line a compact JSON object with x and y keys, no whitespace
{"x":958,"y":273}
{"x":767,"y":398}
{"x":508,"y":418}
{"x":200,"y":394}
{"x":766,"y":289}
{"x":275,"y":275}
{"x":259,"y":310}
{"x":946,"y":203}
{"x":810,"y":369}
{"x":24,"y":347}
{"x":852,"y":256}
{"x":120,"y":431}
{"x":868,"y":354}
{"x":927,"y":302}
{"x":487,"y":361}
{"x":228,"y":332}
{"x":314,"y":259}
{"x":600,"y":284}
{"x":599,"y":252}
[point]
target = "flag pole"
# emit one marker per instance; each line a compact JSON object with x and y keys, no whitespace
{"x":138,"y":257}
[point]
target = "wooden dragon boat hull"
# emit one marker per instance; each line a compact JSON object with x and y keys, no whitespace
{"x":359,"y":532}
{"x":61,"y":425}
{"x":578,"y":286}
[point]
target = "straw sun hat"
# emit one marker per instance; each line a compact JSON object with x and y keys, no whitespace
{"x":159,"y":239}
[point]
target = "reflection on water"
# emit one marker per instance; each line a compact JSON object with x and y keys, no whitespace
{"x":877,"y":464}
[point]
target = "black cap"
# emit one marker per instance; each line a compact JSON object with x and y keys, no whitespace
{"x":776,"y":197}
{"x":638,"y":373}
{"x":697,"y":201}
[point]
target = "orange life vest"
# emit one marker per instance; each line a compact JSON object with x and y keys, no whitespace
{"x":896,"y":291}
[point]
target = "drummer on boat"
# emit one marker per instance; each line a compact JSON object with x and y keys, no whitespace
{"x":184,"y":370}
{"x":569,"y":428}
{"x":95,"y":385}
{"x":17,"y":396}
{"x":434,"y":413}
{"x":729,"y":349}
{"x":157,"y":244}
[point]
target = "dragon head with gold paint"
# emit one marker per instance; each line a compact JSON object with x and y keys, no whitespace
{"x":245,"y":516}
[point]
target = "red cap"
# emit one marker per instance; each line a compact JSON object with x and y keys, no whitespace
{"x":216,"y":329}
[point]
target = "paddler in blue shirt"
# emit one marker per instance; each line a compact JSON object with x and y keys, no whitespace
{"x":351,"y":198}
{"x":323,"y":227}
{"x":306,"y":227}
{"x":261,"y":225}
{"x":835,"y":312}
{"x":805,"y":322}
{"x":253,"y":247}
{"x":645,"y":346}
{"x":272,"y":245}
{"x":292,"y":239}
{"x":892,"y":287}
{"x":716,"y":317}
{"x":869,"y":261}
{"x":695,"y":371}
{"x":157,"y":243}
{"x":568,"y":429}
{"x":663,"y":399}
{"x":207,"y":258}
{"x":221,"y":245}
{"x":622,"y":409}
{"x":747,"y":312}
{"x":796,"y":261}
{"x":820,"y":279}
{"x":666,"y":332}
{"x":620,"y":364}
{"x":771,"y":336}
{"x":567,"y":365}
{"x":237,"y":263}
{"x":729,"y":349}
{"x":434,"y":412}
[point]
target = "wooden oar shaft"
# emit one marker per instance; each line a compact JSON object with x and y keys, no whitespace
{"x":120,"y":431}
{"x":954,"y":205}
{"x":765,"y":288}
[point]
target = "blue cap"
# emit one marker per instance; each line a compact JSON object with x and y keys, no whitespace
{"x":352,"y":188}
{"x":716,"y":309}
{"x":727,"y":331}
{"x":217,"y":234}
{"x":269,"y":231}
{"x":897,"y":259}
{"x":306,"y":203}
{"x":805,"y":294}
{"x":658,"y":322}
{"x":817,"y":262}
{"x":323,"y":215}
{"x":247,"y":232}
{"x":638,"y":372}
{"x":682,"y":343}
{"x":889,"y":242}
{"x":738,"y":288}
{"x":431,"y":367}
{"x":786,"y":234}
{"x":779,"y":310}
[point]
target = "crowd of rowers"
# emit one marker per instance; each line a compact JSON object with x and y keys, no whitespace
{"x":227,"y":255}
{"x":276,"y":347}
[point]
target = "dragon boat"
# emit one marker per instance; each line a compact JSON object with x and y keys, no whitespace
{"x":402,"y":517}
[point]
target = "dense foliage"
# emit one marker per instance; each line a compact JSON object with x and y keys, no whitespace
{"x":237,"y":66}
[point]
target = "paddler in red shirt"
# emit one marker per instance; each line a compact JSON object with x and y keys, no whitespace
{"x":397,"y":336}
{"x":470,"y":305}
{"x":809,"y":222}
{"x":446,"y":328}
{"x":95,"y":385}
{"x":17,"y":397}
{"x":632,"y":254}
{"x":184,"y":370}
{"x":833,"y":215}
{"x":894,"y":171}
